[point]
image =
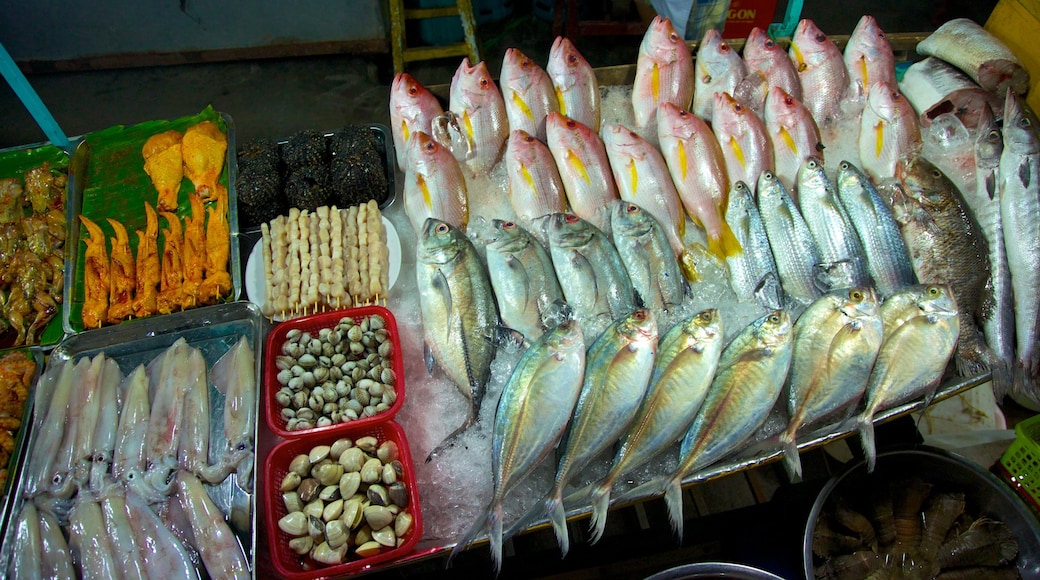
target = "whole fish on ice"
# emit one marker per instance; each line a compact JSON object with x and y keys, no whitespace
{"x":744,"y":140}
{"x":821,"y":71}
{"x":581,"y":158}
{"x":752,"y":273}
{"x":458,"y":312}
{"x":747,"y":383}
{"x":913,"y":356}
{"x":868,"y":57}
{"x":794,"y":135}
{"x":792,"y":243}
{"x":768,"y":66}
{"x":617,"y":371}
{"x":687,"y":357}
{"x":842,"y":261}
{"x":836,"y":341}
{"x":574,"y":81}
{"x":965,"y":44}
{"x":718,"y":68}
{"x":648,"y":259}
{"x":664,"y":72}
{"x":889,"y":131}
{"x":698,"y":170}
{"x":527,"y":92}
{"x":477,"y":116}
{"x":535,"y":186}
{"x":412,"y":109}
{"x":532,"y":414}
{"x":434,"y":185}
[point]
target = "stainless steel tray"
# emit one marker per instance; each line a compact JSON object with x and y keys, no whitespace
{"x":211,"y":329}
{"x":126,"y":143}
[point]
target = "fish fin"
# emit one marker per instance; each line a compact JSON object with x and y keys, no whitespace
{"x":726,"y":244}
{"x":768,"y":291}
{"x":865,"y":426}
{"x":495,"y":536}
{"x":673,"y":499}
{"x":600,"y":505}
{"x":1024,"y":389}
{"x":688,"y":266}
{"x":558,"y":517}
{"x":792,"y":461}
{"x":428,"y":359}
{"x":449,"y":441}
{"x":525,"y":521}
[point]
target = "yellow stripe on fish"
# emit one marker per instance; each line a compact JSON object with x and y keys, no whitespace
{"x":799,"y":59}
{"x":522,"y":105}
{"x":738,"y":151}
{"x":633,"y":174}
{"x":562,"y":101}
{"x":788,"y":140}
{"x":681,"y":152}
{"x":578,"y":166}
{"x":879,"y":138}
{"x":467,"y":123}
{"x":406,"y":132}
{"x":425,"y":189}
{"x":529,"y":179}
{"x":864,"y":72}
{"x":655,"y":82}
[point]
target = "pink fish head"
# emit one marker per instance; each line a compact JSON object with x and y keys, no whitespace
{"x":662,"y":43}
{"x":518,"y":64}
{"x":809,"y":40}
{"x":868,"y":31}
{"x":889,"y":104}
{"x":561,"y":125}
{"x":760,"y":46}
{"x":565,"y":56}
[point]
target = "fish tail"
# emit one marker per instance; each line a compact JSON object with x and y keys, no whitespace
{"x":865,"y":426}
{"x":600,"y":504}
{"x":554,"y":508}
{"x":688,"y":265}
{"x":449,"y":441}
{"x":495,"y":536}
{"x":1024,"y":389}
{"x":673,"y":499}
{"x":475,"y":529}
{"x":725,"y":244}
{"x":792,"y":461}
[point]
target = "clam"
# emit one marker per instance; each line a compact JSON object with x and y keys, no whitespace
{"x":352,"y":459}
{"x":315,"y":527}
{"x":385,"y":536}
{"x":301,"y":465}
{"x":291,"y":481}
{"x":308,"y":489}
{"x":293,"y":523}
{"x":330,"y":473}
{"x":377,"y":495}
{"x":314,"y":509}
{"x":398,"y":494}
{"x":292,"y":501}
{"x":370,"y":548}
{"x":333,"y":510}
{"x":340,"y":445}
{"x":301,"y":545}
{"x":336,"y":533}
{"x":349,"y":484}
{"x":353,"y":512}
{"x":403,"y":524}
{"x":328,"y":555}
{"x":389,"y":474}
{"x":364,"y":534}
{"x":378,"y":516}
{"x":371,"y":471}
{"x":329,"y":493}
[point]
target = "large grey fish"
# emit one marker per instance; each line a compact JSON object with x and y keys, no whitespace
{"x":617,"y":372}
{"x":523,"y":279}
{"x":998,"y":323}
{"x":965,"y":44}
{"x":459,"y":316}
{"x":595,"y":283}
{"x":752,"y":273}
{"x":888,"y":261}
{"x":794,"y":248}
{"x":842,"y":262}
{"x":1020,"y":214}
{"x":912,"y":358}
{"x":532,"y":414}
{"x":648,"y":258}
{"x":687,"y":357}
{"x":946,"y":247}
{"x":750,"y":375}
{"x":836,"y":341}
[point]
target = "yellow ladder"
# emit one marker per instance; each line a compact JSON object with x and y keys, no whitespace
{"x":403,"y":54}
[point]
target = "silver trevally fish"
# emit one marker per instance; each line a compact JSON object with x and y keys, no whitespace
{"x":648,"y":259}
{"x":750,"y":375}
{"x":842,"y":263}
{"x":618,"y":368}
{"x":836,"y":341}
{"x":888,"y":261}
{"x":1020,"y":214}
{"x":532,"y":414}
{"x":523,"y":279}
{"x":459,"y":315}
{"x":687,"y":357}
{"x":595,"y":283}
{"x":913,"y":356}
{"x":752,"y":273}
{"x":794,"y":248}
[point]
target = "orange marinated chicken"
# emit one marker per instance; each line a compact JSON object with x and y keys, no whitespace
{"x":203,"y":150}
{"x":147,"y":268}
{"x":164,"y":164}
{"x":95,"y":276}
{"x":194,"y":256}
{"x":169,"y":298}
{"x":218,"y":249}
{"x":121,"y":288}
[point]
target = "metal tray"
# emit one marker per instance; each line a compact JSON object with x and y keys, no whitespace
{"x":14,"y":466}
{"x":14,"y":162}
{"x":121,"y":147}
{"x":211,"y":329}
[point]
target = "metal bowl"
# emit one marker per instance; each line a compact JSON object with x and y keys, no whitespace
{"x":714,"y":570}
{"x":986,"y":493}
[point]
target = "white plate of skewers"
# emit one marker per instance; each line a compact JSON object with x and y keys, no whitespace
{"x":256,"y":287}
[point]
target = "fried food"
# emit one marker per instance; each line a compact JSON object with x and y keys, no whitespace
{"x":218,"y":249}
{"x":95,"y":276}
{"x":45,"y":188}
{"x":194,"y":256}
{"x":16,"y":373}
{"x":203,"y":151}
{"x":172,"y":275}
{"x":163,"y":163}
{"x":122,"y":275}
{"x":147,"y":266}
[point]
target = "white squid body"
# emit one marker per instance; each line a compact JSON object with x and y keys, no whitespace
{"x":121,"y":534}
{"x":129,"y":455}
{"x":163,"y":554}
{"x":172,"y":372}
{"x":216,"y":543}
{"x":90,"y":543}
{"x":108,"y":415}
{"x":234,"y":375}
{"x":57,"y":382}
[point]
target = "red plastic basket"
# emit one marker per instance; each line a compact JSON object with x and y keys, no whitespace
{"x":313,"y":324}
{"x":290,"y":565}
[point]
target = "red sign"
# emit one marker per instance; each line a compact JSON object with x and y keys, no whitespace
{"x":747,"y":14}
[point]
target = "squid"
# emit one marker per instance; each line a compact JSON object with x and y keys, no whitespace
{"x":121,"y":533}
{"x":234,"y":375}
{"x":57,"y":559}
{"x":193,"y":449}
{"x":215,"y":541}
{"x":50,"y":426}
{"x":164,"y":425}
{"x":128,"y":462}
{"x":104,"y":437}
{"x":95,"y":276}
{"x":27,"y":552}
{"x":164,"y":555}
{"x":78,"y":422}
{"x":90,"y":543}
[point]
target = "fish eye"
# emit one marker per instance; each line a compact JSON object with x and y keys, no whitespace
{"x":632,"y":208}
{"x":738,"y":107}
{"x":571,"y":218}
{"x":639,"y":315}
{"x":821,"y":37}
{"x":484,"y":83}
{"x":413,"y":90}
{"x":856,"y":295}
{"x":770,"y":43}
{"x":788,"y":100}
{"x":442,"y":228}
{"x":572,"y":58}
{"x":934,"y":291}
{"x":1026,"y":123}
{"x":811,"y":163}
{"x":936,"y":173}
{"x":674,"y":37}
{"x":571,"y":123}
{"x":528,"y":138}
{"x":508,"y":225}
{"x":774,"y":318}
{"x":844,"y":165}
{"x":430,"y":146}
{"x":724,"y":47}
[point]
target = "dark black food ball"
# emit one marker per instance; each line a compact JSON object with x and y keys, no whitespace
{"x":259,"y":153}
{"x":259,"y":191}
{"x":307,"y":188}
{"x":352,"y":139}
{"x":357,"y":179}
{"x":305,"y":149}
